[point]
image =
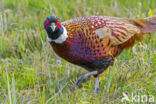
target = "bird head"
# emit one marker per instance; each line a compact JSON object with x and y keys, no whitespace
{"x":53,"y":27}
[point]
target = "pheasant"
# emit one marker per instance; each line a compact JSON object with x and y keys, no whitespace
{"x":93,"y":42}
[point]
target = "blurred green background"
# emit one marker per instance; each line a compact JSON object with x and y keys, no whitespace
{"x":30,"y":74}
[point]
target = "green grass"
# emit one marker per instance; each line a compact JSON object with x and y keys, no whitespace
{"x":29,"y":73}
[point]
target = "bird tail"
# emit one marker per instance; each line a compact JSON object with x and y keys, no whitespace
{"x":146,"y":25}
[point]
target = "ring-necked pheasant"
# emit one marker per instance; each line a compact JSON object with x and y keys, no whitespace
{"x":94,"y":42}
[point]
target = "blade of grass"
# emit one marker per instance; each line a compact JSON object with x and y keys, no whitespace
{"x":111,"y":72}
{"x":14,"y":91}
{"x":43,"y":96}
{"x":53,"y":97}
{"x":138,"y":11}
{"x":9,"y":92}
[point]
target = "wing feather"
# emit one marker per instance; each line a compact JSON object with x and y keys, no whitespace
{"x":119,"y":32}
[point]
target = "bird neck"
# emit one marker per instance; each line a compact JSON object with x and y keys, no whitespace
{"x":61,"y":36}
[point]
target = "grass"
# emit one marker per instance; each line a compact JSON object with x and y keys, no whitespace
{"x":29,"y":73}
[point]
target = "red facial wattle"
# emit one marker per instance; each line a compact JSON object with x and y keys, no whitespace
{"x":57,"y":23}
{"x":48,"y":23}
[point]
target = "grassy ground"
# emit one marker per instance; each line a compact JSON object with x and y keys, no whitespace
{"x":30,"y":74}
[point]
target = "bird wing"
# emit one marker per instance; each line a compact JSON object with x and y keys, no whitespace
{"x":100,"y":36}
{"x":118,"y":30}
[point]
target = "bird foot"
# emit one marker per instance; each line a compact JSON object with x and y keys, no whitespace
{"x":79,"y":80}
{"x":82,"y":78}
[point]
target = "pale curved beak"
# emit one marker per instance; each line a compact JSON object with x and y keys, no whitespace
{"x":53,"y":26}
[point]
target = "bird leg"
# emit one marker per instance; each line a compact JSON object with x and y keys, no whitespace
{"x":96,"y":84}
{"x":83,"y":77}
